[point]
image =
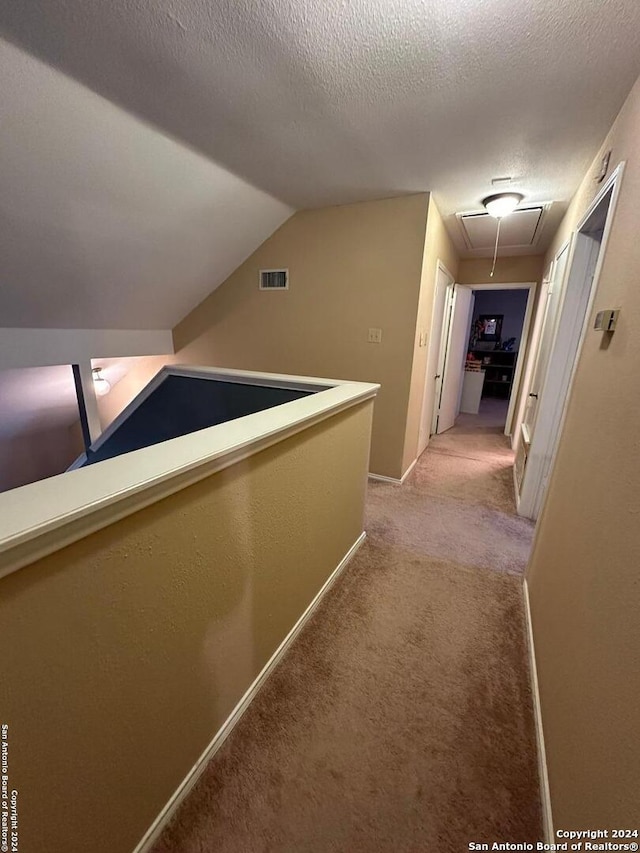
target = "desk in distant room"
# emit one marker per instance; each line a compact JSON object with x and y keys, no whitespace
{"x":472,"y":386}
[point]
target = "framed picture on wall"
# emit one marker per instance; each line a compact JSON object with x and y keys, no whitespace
{"x":490,"y":327}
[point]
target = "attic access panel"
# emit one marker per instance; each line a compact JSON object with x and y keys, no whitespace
{"x":521,"y":228}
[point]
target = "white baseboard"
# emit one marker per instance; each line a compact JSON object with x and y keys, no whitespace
{"x":409,"y":470}
{"x":382,"y":479}
{"x":394,"y":480}
{"x":156,"y":828}
{"x":545,"y":794}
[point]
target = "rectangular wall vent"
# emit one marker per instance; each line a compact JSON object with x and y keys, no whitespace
{"x":274,"y":279}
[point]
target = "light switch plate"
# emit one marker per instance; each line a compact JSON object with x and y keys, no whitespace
{"x":606,"y":320}
{"x":375,"y":336}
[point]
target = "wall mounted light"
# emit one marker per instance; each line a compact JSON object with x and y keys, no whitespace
{"x":100,"y":384}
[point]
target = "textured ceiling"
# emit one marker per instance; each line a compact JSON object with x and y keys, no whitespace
{"x":329,"y":102}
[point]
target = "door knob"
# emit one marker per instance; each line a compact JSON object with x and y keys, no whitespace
{"x":534,"y":395}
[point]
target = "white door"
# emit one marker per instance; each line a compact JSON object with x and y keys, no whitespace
{"x":447,"y":312}
{"x":456,"y":351}
{"x":547,"y":336}
{"x":438,"y":335}
{"x":575,"y":300}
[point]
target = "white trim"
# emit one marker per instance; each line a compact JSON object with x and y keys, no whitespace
{"x":476,"y":252}
{"x":384,"y":479}
{"x":394,"y":480}
{"x":501,"y":285}
{"x":430,"y":364}
{"x":130,"y":408}
{"x":43,"y":517}
{"x":451,"y":367}
{"x":409,"y":470}
{"x":441,"y":356}
{"x":534,"y":347}
{"x":181,"y":793}
{"x":78,"y":463}
{"x":545,"y":793}
{"x":531,"y":286}
{"x":561,"y":369}
{"x":249,"y":377}
{"x":516,"y":385}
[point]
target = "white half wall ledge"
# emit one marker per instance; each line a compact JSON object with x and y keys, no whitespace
{"x":44,"y":347}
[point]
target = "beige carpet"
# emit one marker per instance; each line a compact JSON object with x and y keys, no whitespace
{"x":401,"y":719}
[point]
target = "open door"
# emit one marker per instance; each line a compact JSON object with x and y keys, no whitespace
{"x":448,"y":403}
{"x":549,"y":326}
{"x":435,"y":355}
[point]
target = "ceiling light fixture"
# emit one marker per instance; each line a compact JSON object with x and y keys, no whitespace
{"x":498,"y":206}
{"x":502,"y":204}
{"x":100,"y":384}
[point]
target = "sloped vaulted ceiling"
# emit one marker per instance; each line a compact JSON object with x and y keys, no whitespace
{"x":105,"y":222}
{"x":109,"y":220}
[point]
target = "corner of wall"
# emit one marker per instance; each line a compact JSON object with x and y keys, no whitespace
{"x":438,"y":247}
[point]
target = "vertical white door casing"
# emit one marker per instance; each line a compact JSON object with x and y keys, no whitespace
{"x":584,"y":265}
{"x":521,"y":360}
{"x":547,"y":336}
{"x":558,"y":381}
{"x":442,"y":356}
{"x":437,"y":339}
{"x":529,"y":362}
{"x":436,"y":356}
{"x":456,"y":350}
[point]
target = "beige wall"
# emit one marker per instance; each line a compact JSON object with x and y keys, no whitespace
{"x":522,"y":268}
{"x":31,"y":456}
{"x":438,"y":246}
{"x":351,"y":268}
{"x":584,"y":573}
{"x":123,"y":653}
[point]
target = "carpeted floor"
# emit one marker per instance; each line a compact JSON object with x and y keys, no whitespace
{"x":401,"y":719}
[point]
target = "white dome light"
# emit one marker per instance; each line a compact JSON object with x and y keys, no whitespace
{"x":100,"y":384}
{"x":502,"y":204}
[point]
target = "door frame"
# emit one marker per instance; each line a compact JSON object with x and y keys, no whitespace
{"x":441,"y":359}
{"x":550,"y":284}
{"x":451,"y":363}
{"x":523,"y":354}
{"x":550,"y":424}
{"x":432,"y":360}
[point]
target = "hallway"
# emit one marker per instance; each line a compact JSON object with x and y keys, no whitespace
{"x":401,"y":719}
